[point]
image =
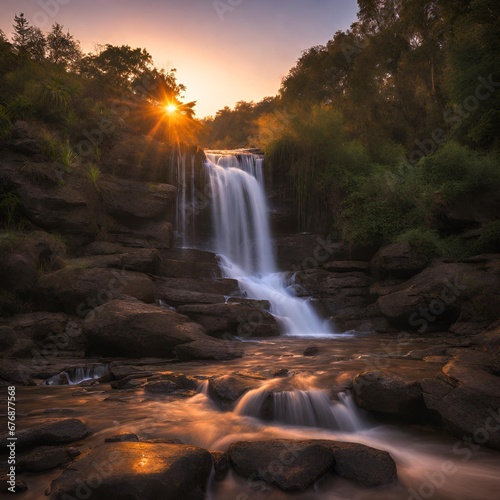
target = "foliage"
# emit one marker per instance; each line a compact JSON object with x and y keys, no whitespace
{"x":62,"y":48}
{"x":93,"y":174}
{"x":9,"y":208}
{"x":5,"y":122}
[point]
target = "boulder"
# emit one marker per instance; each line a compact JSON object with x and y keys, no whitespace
{"x":288,"y":465}
{"x":79,"y":290}
{"x":362,"y":464}
{"x":209,"y":348}
{"x":297,"y":465}
{"x":50,"y":431}
{"x":46,"y":458}
{"x":221,"y":465}
{"x":137,"y":470}
{"x":225,"y":390}
{"x":127,"y":327}
{"x":398,"y":260}
{"x":122,"y":438}
{"x":389,"y":393}
{"x":467,"y":398}
{"x":241,"y":320}
{"x":435,"y":298}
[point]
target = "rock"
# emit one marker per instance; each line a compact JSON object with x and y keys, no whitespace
{"x":221,"y":464}
{"x":161,"y":387}
{"x":259,"y":304}
{"x":296,"y":465}
{"x":209,"y":349}
{"x":311,"y":351}
{"x":183,"y":382}
{"x":176,"y":298}
{"x":189,"y":269}
{"x":398,"y":260}
{"x":46,"y":458}
{"x":347,"y":266}
{"x":79,"y":290}
{"x":8,"y":337}
{"x":280,"y":372}
{"x":289,"y":465}
{"x":122,"y":438}
{"x":137,"y":470}
{"x":363,"y":464}
{"x":435,"y":298}
{"x":227,"y":389}
{"x":388,"y":393}
{"x":50,"y":431}
{"x":236,"y":319}
{"x":122,"y":371}
{"x":467,"y":398}
{"x":127,"y":327}
{"x":130,"y":382}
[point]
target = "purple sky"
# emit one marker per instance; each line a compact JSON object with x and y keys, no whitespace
{"x":224,"y":50}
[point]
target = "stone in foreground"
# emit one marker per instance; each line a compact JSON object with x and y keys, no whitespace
{"x":146,"y":471}
{"x":297,"y":465}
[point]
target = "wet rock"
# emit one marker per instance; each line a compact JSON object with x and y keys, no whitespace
{"x":221,"y":464}
{"x":467,"y":398}
{"x":217,"y":286}
{"x":46,"y":458}
{"x":161,"y":387}
{"x":311,"y":351}
{"x":259,"y":304}
{"x":181,"y":380}
{"x":398,"y":260}
{"x":389,"y":393}
{"x":289,"y":465}
{"x":363,"y":464}
{"x":129,"y":382}
{"x":296,"y":465}
{"x":241,"y":320}
{"x":122,"y":438}
{"x":137,"y":470}
{"x":122,"y":371}
{"x":80,"y":290}
{"x":127,"y":327}
{"x":281,"y":372}
{"x":50,"y":431}
{"x":209,"y":349}
{"x":162,"y":441}
{"x":227,"y":389}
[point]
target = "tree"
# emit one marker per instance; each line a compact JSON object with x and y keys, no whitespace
{"x":28,"y":40}
{"x":22,"y":33}
{"x":62,"y":48}
{"x":118,"y":67}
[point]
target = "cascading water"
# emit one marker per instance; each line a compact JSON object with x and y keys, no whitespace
{"x":243,"y":239}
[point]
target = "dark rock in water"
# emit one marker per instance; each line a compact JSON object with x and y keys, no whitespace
{"x":311,"y":350}
{"x":122,"y":371}
{"x":46,"y":458}
{"x":398,"y":260}
{"x":209,"y":349}
{"x":162,"y":441}
{"x":389,"y":393}
{"x":181,"y":380}
{"x":281,"y":372}
{"x":161,"y":387}
{"x":296,"y":465}
{"x":127,"y":327}
{"x":217,"y":286}
{"x":467,"y":397}
{"x":122,"y":438}
{"x":221,"y":464}
{"x":50,"y":431}
{"x":137,"y":470}
{"x":259,"y":304}
{"x":227,"y":389}
{"x":289,"y":465}
{"x":362,"y":464}
{"x":129,"y":382}
{"x":20,"y":485}
{"x":241,"y":320}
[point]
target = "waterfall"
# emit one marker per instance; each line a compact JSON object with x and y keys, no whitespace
{"x":75,"y":376}
{"x":243,"y":240}
{"x":311,"y":408}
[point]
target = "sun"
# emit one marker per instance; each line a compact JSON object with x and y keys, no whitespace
{"x":170,"y":108}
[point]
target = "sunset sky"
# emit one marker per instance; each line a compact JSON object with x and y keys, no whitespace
{"x":224,"y":51}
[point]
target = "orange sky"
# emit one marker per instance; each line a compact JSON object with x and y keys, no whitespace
{"x":224,"y":50}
